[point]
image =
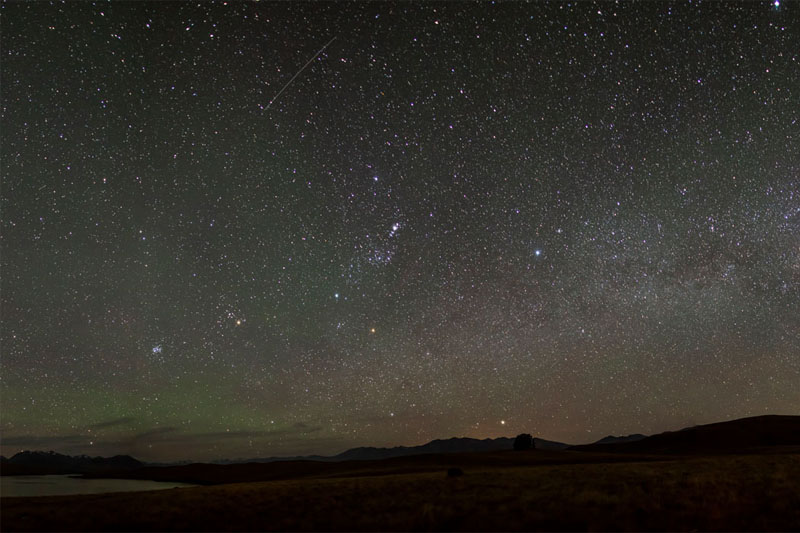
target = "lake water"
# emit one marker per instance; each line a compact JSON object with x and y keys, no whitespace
{"x":60,"y":485}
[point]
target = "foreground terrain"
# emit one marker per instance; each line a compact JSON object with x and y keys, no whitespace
{"x":530,"y":490}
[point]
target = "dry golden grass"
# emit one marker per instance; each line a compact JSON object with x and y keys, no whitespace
{"x":724,"y":493}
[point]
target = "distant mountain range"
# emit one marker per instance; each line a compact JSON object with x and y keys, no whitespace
{"x":42,"y":463}
{"x":722,"y":437}
{"x":55,"y":463}
{"x":452,"y":445}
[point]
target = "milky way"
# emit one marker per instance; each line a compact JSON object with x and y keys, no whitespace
{"x":457,"y":219}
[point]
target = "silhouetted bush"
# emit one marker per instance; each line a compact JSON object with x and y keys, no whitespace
{"x":454,"y":472}
{"x":523,"y":442}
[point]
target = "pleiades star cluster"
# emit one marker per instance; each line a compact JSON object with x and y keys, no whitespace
{"x":238,"y":229}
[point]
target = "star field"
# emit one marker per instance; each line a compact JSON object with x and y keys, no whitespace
{"x":456,"y":219}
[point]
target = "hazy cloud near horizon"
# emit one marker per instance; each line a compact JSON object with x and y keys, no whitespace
{"x":123,"y":421}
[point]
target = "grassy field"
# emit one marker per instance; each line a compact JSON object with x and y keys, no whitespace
{"x":721,"y":493}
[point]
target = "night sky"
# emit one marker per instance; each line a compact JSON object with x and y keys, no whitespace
{"x":254,"y":229}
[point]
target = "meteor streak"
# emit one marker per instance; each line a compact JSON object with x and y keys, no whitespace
{"x":298,"y":73}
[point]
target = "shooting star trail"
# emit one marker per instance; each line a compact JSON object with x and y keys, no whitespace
{"x":298,"y":73}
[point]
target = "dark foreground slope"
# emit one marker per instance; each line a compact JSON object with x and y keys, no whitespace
{"x":745,"y":434}
{"x":717,"y":493}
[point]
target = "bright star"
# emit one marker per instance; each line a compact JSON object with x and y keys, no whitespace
{"x":157,"y":348}
{"x":537,"y":253}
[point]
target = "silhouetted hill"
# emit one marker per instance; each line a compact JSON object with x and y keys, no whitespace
{"x":733,"y":436}
{"x":41,"y":463}
{"x":611,"y":439}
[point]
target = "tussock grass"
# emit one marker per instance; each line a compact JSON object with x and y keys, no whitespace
{"x":723,"y":493}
